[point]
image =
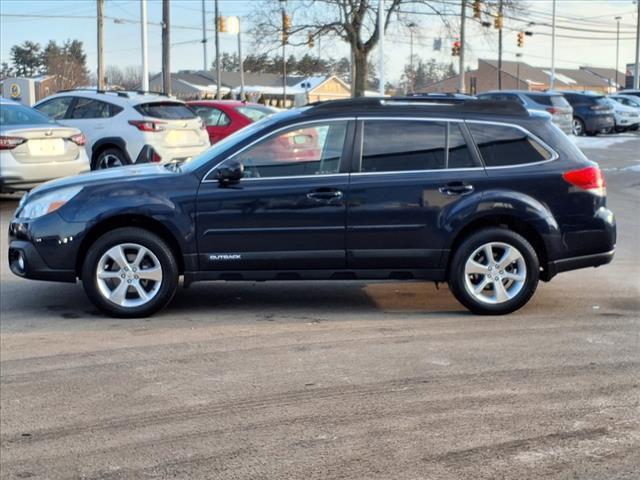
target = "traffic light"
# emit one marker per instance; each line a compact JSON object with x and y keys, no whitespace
{"x":455,"y":49}
{"x":310,"y":42}
{"x":498,"y":22}
{"x":477,"y":7}
{"x":222,"y":24}
{"x":286,"y":26}
{"x":520,"y":39}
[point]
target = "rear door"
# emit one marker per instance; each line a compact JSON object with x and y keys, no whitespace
{"x":410,"y":175}
{"x":288,"y":212}
{"x":217,"y":122}
{"x":92,"y":117}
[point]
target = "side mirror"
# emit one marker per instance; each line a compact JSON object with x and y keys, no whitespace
{"x":230,"y":173}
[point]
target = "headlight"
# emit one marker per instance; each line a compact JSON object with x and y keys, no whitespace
{"x":47,"y":203}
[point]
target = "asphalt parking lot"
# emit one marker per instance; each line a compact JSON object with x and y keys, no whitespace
{"x":332,"y":380}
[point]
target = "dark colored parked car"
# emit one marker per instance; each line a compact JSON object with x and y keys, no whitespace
{"x":591,"y":113}
{"x":482,"y":195}
{"x":223,"y":117}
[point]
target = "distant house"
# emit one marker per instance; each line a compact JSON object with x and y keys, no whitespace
{"x":266,"y":88}
{"x":522,"y":76}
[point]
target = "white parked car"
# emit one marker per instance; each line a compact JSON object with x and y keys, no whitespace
{"x":629,"y":101}
{"x":625,"y":118}
{"x":35,"y":149}
{"x":129,"y":127}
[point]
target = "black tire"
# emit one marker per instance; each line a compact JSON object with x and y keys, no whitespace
{"x":457,"y":280}
{"x":144,"y":238}
{"x":578,"y":128}
{"x":110,"y":158}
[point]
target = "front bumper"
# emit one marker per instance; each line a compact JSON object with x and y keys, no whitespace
{"x":26,"y":262}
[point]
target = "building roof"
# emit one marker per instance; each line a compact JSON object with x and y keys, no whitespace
{"x":607,"y":74}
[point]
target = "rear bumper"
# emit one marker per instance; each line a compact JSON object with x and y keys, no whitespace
{"x":15,"y":175}
{"x":574,"y":263}
{"x":599,"y":122}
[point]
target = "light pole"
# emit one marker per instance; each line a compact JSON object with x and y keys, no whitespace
{"x":285,"y":34}
{"x":143,"y":34}
{"x":617,"y":19}
{"x":518,"y":56}
{"x":636,"y":75}
{"x":381,"y":59}
{"x":233,"y":25}
{"x":463,"y":17}
{"x":553,"y":47}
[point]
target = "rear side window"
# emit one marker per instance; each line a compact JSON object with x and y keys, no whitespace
{"x":212,"y":117}
{"x":86,"y":108}
{"x":166,"y":110}
{"x":405,"y":145}
{"x":549,"y":100}
{"x":503,"y":146}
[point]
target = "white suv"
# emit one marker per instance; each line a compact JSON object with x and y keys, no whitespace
{"x":129,"y":127}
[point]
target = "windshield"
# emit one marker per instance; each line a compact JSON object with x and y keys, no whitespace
{"x":21,"y":115}
{"x":225,"y":143}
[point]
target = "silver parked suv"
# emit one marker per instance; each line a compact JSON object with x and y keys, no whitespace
{"x":553,"y":103}
{"x":129,"y":127}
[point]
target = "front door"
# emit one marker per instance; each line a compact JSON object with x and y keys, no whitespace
{"x":288,"y":212}
{"x":409,"y":178}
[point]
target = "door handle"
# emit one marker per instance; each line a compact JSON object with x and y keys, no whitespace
{"x":456,"y":188}
{"x":324,"y":195}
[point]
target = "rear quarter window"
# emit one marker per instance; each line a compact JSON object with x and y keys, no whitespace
{"x":505,"y":146}
{"x":166,"y":110}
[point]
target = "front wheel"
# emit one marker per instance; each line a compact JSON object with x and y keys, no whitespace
{"x":493,"y":272}
{"x":130,"y":272}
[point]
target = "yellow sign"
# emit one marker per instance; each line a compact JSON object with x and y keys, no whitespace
{"x":15,"y":90}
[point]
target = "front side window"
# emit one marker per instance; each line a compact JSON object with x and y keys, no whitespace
{"x":502,"y":145}
{"x":306,"y":150}
{"x":55,"y":108}
{"x":86,"y":108}
{"x":410,"y":145}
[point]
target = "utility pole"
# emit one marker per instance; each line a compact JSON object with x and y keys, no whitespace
{"x":166,"y":49}
{"x":500,"y":48}
{"x":100,"y":45}
{"x":143,"y":32}
{"x":636,"y":75}
{"x":617,"y":19}
{"x":518,"y":56}
{"x":381,"y":59}
{"x":204,"y":38}
{"x":553,"y":47}
{"x":284,"y":57}
{"x":463,"y":17}
{"x":413,"y":73}
{"x":218,"y":74}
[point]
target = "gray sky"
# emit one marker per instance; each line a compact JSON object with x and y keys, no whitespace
{"x":575,"y":18}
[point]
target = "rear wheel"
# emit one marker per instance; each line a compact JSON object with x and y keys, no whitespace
{"x":130,"y":272}
{"x":493,"y":272}
{"x":109,"y":158}
{"x":578,"y":127}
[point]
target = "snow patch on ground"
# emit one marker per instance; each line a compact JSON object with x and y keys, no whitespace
{"x":603,"y":142}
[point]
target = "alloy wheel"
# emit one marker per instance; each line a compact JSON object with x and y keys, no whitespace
{"x":109,"y":160}
{"x":129,"y":275}
{"x":495,"y":273}
{"x":577,"y":127}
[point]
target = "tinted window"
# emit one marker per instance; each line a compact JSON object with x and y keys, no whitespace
{"x":212,"y":117}
{"x":503,"y":145}
{"x":255,"y":113}
{"x":166,"y":110}
{"x":55,"y":108}
{"x":86,"y":108}
{"x":403,"y":145}
{"x":20,"y":115}
{"x":550,"y":100}
{"x":459,"y":154}
{"x":310,"y":150}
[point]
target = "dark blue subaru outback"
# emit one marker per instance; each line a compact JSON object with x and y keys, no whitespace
{"x":480,"y":194}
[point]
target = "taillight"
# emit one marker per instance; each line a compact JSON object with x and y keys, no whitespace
{"x":553,"y":110}
{"x":9,"y":143}
{"x":590,"y":179}
{"x":79,"y":139}
{"x":147,"y":125}
{"x":155,"y":157}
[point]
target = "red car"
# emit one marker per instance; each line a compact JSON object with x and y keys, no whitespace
{"x":223,"y":117}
